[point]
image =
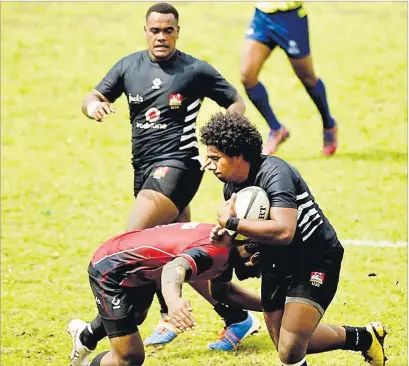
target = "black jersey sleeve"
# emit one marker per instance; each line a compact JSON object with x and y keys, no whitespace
{"x":112,"y":85}
{"x":280,"y":185}
{"x":199,"y":259}
{"x":215,"y":86}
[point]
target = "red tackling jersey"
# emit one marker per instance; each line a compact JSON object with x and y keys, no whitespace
{"x":137,"y":257}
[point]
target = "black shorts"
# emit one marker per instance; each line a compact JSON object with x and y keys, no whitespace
{"x":119,"y":307}
{"x":178,"y":180}
{"x":309,"y":277}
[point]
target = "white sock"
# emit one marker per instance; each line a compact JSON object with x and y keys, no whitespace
{"x":299,"y":363}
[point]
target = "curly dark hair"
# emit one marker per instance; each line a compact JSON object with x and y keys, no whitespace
{"x":163,"y":8}
{"x":233,"y":135}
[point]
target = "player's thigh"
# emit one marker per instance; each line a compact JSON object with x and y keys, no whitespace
{"x":253,"y":56}
{"x":142,"y":298}
{"x":317,"y":282}
{"x":297,"y":325}
{"x":273,"y":293}
{"x":151,"y":208}
{"x":115,"y":304}
{"x":177,"y":180}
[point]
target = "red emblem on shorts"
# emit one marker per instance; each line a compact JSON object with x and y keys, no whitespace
{"x":317,"y":278}
{"x":175,"y":100}
{"x":160,"y":172}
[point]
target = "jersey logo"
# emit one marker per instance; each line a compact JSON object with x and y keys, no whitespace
{"x":293,"y":48}
{"x":137,"y":100}
{"x":116,"y":303}
{"x":160,"y":172}
{"x":156,"y":83}
{"x":317,"y":278}
{"x":152,"y":114}
{"x":175,"y":101}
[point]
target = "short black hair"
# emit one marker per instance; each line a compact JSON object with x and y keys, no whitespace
{"x":163,"y":8}
{"x":233,"y":135}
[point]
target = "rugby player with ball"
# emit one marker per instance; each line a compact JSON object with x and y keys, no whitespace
{"x":300,"y":254}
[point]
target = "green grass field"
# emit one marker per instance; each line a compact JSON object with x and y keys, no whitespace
{"x":66,"y":181}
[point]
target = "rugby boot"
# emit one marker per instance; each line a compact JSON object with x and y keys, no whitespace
{"x":79,"y":353}
{"x":375,"y":355}
{"x":275,"y":138}
{"x":330,"y":141}
{"x":232,"y":335}
{"x":164,"y":333}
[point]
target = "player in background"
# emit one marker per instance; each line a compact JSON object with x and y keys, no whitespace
{"x":284,"y":24}
{"x":300,"y":254}
{"x":125,"y":272}
{"x":164,"y":88}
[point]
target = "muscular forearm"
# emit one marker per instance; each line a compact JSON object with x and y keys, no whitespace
{"x":173,"y":276}
{"x":238,"y":106}
{"x":266,"y":231}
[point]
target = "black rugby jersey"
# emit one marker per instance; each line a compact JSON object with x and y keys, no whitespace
{"x":164,"y":99}
{"x":286,"y":188}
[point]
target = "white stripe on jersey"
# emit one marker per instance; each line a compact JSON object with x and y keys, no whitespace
{"x":197,"y":157}
{"x":307,"y":216}
{"x":190,"y":127}
{"x":191,"y":144}
{"x":187,"y":137}
{"x":317,"y":216}
{"x":301,"y":196}
{"x":194,"y":104}
{"x":191,"y":116}
{"x":304,"y":205}
{"x":304,"y":238}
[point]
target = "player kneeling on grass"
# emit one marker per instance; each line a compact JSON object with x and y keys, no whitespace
{"x":124,"y":274}
{"x":300,"y":254}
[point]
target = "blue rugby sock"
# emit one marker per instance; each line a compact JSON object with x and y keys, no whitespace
{"x":259,"y":97}
{"x":319,"y":96}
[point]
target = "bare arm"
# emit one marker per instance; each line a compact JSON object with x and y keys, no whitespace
{"x":278,"y":230}
{"x":174,"y":275}
{"x":96,"y":106}
{"x":238,"y":106}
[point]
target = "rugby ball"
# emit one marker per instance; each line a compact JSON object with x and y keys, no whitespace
{"x":251,"y":203}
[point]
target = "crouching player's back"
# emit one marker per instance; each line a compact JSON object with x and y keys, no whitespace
{"x":126,"y":270}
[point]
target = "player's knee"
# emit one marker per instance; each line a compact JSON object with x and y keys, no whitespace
{"x":291,"y":351}
{"x":131,"y":358}
{"x":308,"y":80}
{"x":248,"y":79}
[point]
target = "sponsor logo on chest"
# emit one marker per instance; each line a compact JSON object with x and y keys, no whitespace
{"x":175,"y":101}
{"x":134,"y":99}
{"x":156,"y":83}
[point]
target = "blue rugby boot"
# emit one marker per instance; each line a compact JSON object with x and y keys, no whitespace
{"x":232,"y":335}
{"x":164,"y":333}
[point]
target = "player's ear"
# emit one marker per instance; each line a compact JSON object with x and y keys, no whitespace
{"x":177,"y":31}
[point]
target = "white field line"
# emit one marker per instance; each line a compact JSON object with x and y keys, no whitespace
{"x":371,"y":243}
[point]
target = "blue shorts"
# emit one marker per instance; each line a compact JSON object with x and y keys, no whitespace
{"x":283,"y":28}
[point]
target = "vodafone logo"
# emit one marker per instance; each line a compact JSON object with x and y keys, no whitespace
{"x":152,"y":114}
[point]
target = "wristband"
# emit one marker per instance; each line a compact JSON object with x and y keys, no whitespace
{"x":92,"y":107}
{"x":232,"y":223}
